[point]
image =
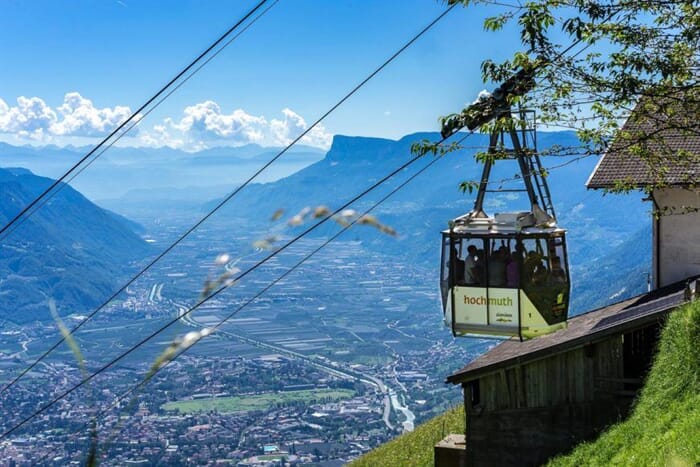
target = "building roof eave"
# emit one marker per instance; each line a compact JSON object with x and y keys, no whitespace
{"x":583,"y":329}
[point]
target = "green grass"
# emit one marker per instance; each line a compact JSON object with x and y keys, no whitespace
{"x":271,"y":457}
{"x":415,"y":449}
{"x":664,"y":428}
{"x":256,"y":401}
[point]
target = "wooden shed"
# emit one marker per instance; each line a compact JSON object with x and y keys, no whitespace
{"x":528,"y":401}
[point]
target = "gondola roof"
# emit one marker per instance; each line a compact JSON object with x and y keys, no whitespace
{"x":500,"y":224}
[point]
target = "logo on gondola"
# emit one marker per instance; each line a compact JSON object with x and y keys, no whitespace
{"x":492,"y":301}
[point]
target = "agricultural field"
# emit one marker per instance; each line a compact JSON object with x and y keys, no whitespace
{"x":257,"y":401}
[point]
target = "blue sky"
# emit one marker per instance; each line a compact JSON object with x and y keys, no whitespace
{"x":78,"y":67}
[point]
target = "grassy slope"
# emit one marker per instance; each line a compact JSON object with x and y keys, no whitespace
{"x":664,"y":428}
{"x":415,"y":449}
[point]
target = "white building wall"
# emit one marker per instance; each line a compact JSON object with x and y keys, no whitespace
{"x":677,"y":235}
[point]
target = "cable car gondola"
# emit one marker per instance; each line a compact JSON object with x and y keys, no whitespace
{"x":505,"y":275}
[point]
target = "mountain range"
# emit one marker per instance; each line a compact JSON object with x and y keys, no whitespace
{"x":70,"y":250}
{"x":130,"y":173}
{"x":74,"y":251}
{"x":597,"y":233}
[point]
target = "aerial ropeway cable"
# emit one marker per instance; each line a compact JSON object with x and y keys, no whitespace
{"x":88,"y":162}
{"x":211,"y":295}
{"x":223,"y":287}
{"x":106,"y":145}
{"x":131,"y":120}
{"x":213,"y":211}
{"x":189,"y":231}
{"x":261,"y":292}
{"x":142,"y":382}
{"x":60,"y":397}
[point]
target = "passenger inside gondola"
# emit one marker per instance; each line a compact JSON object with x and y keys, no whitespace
{"x":473,"y":266}
{"x":534,"y":269}
{"x":513,"y":266}
{"x":512,"y":271}
{"x":459,"y":266}
{"x":497,"y":267}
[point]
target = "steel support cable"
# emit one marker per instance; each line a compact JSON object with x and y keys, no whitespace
{"x":141,"y":272}
{"x":227,"y":198}
{"x":132,"y":124}
{"x":527,"y":174}
{"x":133,"y":116}
{"x":85,"y":166}
{"x":30,"y":210}
{"x":408,"y":44}
{"x":143,"y":382}
{"x":280,"y":278}
{"x":203,"y":300}
{"x":224,"y":201}
{"x":261,"y":292}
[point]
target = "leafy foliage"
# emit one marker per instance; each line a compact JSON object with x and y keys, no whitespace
{"x":596,"y":61}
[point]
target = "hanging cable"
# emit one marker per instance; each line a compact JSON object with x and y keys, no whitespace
{"x":227,"y":198}
{"x":83,"y":167}
{"x":142,"y":382}
{"x":208,"y":297}
{"x":221,"y":204}
{"x":132,"y":117}
{"x":215,"y":293}
{"x":57,"y":187}
{"x":298,"y":264}
{"x":132,"y":124}
{"x":189,"y":231}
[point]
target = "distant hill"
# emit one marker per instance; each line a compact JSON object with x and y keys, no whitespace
{"x":70,"y":250}
{"x":123,"y":171}
{"x":596,"y":230}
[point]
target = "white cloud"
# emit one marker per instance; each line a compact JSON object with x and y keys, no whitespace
{"x":82,"y":118}
{"x":30,"y":118}
{"x":33,"y":119}
{"x":205,"y":121}
{"x":285,"y":131}
{"x":205,"y":125}
{"x":200,"y":126}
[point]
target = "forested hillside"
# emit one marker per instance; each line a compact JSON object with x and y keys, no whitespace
{"x":70,"y":250}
